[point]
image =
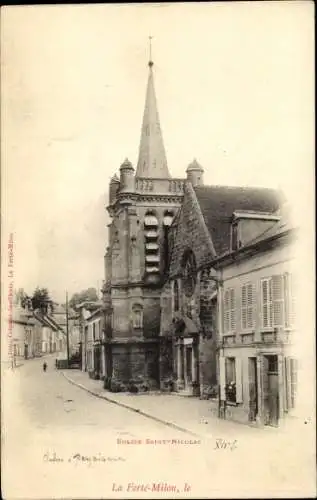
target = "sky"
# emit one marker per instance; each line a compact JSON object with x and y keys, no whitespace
{"x":235,"y":89}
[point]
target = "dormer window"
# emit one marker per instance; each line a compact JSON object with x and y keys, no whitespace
{"x":235,"y":236}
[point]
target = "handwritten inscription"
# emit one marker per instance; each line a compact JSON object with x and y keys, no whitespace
{"x":54,"y":458}
{"x":151,"y":487}
{"x":224,"y":444}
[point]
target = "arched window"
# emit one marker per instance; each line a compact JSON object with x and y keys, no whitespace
{"x":176,"y":296}
{"x":137,"y":316}
{"x":189,"y":272}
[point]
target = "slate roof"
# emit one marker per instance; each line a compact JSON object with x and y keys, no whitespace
{"x":217,"y":204}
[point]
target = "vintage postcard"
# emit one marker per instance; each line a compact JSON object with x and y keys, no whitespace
{"x":157,"y":251}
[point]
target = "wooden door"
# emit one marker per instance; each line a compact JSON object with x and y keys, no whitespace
{"x":188,"y":362}
{"x":253,"y":390}
{"x":271,"y":390}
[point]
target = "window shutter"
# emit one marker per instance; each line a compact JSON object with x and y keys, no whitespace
{"x":292,"y":300}
{"x":233,"y":312}
{"x":238,"y":363}
{"x":287,"y":301}
{"x":244,"y":307}
{"x":266,"y":303}
{"x":250,"y":305}
{"x":226,"y":311}
{"x":265,"y":317}
{"x":222,"y":378}
{"x":278,"y":300}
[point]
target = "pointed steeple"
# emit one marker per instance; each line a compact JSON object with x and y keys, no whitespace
{"x":152,"y":157}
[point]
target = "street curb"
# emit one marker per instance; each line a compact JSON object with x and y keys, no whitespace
{"x":136,"y":410}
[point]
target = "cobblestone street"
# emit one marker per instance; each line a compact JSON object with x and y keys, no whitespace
{"x":55,"y":429}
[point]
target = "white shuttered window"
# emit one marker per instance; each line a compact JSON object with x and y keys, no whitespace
{"x":247,"y":306}
{"x":229,"y":311}
{"x":266,"y":302}
{"x":289,"y":301}
{"x":278,"y":300}
{"x":273,"y":303}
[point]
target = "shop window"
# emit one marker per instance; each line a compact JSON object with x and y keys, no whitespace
{"x":230,"y":374}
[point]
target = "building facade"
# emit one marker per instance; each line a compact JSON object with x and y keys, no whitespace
{"x":84,"y":311}
{"x":23,"y":334}
{"x":95,"y":356}
{"x":257,"y":334}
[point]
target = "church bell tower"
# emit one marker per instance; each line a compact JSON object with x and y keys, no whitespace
{"x":142,"y":204}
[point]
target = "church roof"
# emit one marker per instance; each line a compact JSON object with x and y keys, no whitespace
{"x":217,"y":204}
{"x":152,"y":161}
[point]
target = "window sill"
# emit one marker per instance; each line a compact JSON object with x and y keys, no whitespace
{"x":231,"y":403}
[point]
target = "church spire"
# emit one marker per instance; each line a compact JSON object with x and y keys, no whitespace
{"x":152,"y":158}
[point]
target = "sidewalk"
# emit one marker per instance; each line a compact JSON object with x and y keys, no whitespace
{"x":191,"y":415}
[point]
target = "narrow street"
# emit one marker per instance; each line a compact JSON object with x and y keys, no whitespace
{"x":55,"y":429}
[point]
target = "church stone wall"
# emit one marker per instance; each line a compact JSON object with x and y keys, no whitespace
{"x":201,"y":307}
{"x":190,"y":232}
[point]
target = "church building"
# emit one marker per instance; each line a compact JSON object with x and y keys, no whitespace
{"x":160,"y":290}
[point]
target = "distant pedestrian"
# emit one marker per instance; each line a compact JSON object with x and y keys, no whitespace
{"x":44,"y":366}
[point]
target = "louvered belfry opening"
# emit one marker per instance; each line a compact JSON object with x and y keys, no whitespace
{"x":152,"y":255}
{"x":167,"y":221}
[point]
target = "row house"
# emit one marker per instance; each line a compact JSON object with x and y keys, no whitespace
{"x":83,"y":312}
{"x":256,"y":330}
{"x":34,"y":334}
{"x":51,"y":338}
{"x":94,"y":349}
{"x":23,"y":339}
